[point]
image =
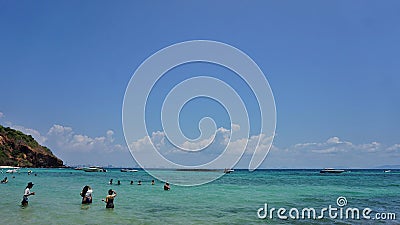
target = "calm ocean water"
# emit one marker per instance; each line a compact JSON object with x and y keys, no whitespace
{"x":232,"y":199}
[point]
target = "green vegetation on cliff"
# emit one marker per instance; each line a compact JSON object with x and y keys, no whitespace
{"x":19,"y":149}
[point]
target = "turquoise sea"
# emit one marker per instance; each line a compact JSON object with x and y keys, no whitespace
{"x":232,"y":199}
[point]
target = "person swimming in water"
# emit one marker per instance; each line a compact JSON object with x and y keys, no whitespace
{"x":111,"y":180}
{"x":110,"y":199}
{"x":152,"y":182}
{"x":4,"y":181}
{"x":166,"y":186}
{"x":27,"y":193}
{"x":86,"y":195}
{"x":139,"y":182}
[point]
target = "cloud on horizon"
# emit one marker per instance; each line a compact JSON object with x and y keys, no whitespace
{"x":219,"y":142}
{"x":333,"y":152}
{"x":81,"y":149}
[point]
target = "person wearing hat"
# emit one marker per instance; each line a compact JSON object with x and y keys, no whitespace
{"x":27,"y":193}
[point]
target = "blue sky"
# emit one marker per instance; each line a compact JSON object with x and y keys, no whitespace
{"x":332,"y":66}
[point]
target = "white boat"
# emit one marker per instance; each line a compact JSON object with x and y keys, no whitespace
{"x":331,"y":170}
{"x":387,"y":171}
{"x":128,"y":170}
{"x":12,"y":171}
{"x":94,"y":169}
{"x":9,"y":167}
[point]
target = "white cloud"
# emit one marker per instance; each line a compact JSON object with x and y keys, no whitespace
{"x":197,"y":145}
{"x":303,"y":145}
{"x":141,"y":144}
{"x":235,"y":127}
{"x":328,"y":150}
{"x":86,"y":150}
{"x":395,"y":147}
{"x":65,"y":138}
{"x":371,"y":147}
{"x":333,"y":140}
{"x":58,"y":129}
{"x":59,"y":135}
{"x":219,"y":142}
{"x":75,"y":148}
{"x":109,"y":136}
{"x":1,"y":115}
{"x":331,"y":146}
{"x":221,"y":137}
{"x":334,"y":152}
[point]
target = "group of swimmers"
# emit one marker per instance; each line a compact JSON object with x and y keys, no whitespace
{"x":166,"y":185}
{"x":86,"y":194}
{"x":139,"y":182}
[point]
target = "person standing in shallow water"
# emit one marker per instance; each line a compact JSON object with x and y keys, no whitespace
{"x":86,"y":195}
{"x":27,"y":193}
{"x":110,"y":199}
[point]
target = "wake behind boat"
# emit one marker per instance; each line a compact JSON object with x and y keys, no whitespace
{"x":331,"y":170}
{"x":128,"y":170}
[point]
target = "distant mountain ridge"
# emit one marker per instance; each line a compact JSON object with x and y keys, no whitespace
{"x":19,"y":149}
{"x":389,"y":167}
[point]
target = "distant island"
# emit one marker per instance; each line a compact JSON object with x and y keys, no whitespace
{"x":19,"y":149}
{"x":388,"y":167}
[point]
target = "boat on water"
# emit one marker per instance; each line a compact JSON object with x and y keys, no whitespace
{"x":331,"y":170}
{"x":9,"y":167}
{"x":12,"y":171}
{"x":94,"y":169}
{"x":128,"y":170}
{"x":228,"y":170}
{"x":387,"y":171}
